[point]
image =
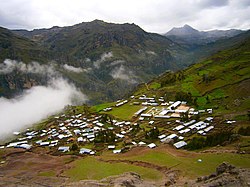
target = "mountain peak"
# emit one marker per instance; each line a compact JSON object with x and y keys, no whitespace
{"x":182,"y":31}
{"x":187,"y":26}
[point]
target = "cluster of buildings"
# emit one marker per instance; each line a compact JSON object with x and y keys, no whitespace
{"x":83,"y":130}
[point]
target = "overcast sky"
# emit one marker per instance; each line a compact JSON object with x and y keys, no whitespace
{"x":152,"y":15}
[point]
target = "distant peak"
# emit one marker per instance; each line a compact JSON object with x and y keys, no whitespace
{"x":186,"y":26}
{"x":185,"y":30}
{"x":98,"y":20}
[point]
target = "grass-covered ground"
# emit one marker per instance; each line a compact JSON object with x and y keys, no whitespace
{"x":124,"y":112}
{"x":186,"y":162}
{"x":220,"y":82}
{"x":92,"y":168}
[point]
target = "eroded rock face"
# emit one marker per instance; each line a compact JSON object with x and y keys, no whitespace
{"x":226,"y":175}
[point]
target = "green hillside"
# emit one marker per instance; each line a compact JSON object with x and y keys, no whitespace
{"x":19,"y":48}
{"x":221,"y":81}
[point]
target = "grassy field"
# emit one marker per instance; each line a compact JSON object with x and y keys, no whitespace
{"x":91,"y":168}
{"x":100,"y":107}
{"x":125,"y":112}
{"x":187,"y":162}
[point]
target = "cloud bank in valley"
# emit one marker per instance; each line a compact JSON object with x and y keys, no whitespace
{"x":9,"y":66}
{"x":38,"y":102}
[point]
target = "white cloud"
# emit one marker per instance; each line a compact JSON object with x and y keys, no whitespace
{"x":116,"y":62}
{"x":39,"y":101}
{"x":103,"y":58}
{"x":74,"y":69}
{"x":123,"y":74}
{"x":154,"y":16}
{"x":34,"y":67}
{"x":36,"y":104}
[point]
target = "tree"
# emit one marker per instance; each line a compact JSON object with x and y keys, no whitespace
{"x":74,"y":147}
{"x":208,"y":100}
{"x":184,"y":116}
{"x":152,"y":134}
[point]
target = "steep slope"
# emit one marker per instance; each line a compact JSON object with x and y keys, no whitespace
{"x":91,"y":39}
{"x":104,"y":59}
{"x":221,"y":81}
{"x":16,"y":47}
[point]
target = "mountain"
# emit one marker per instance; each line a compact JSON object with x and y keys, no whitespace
{"x":192,"y":37}
{"x":201,"y":44}
{"x":186,"y":30}
{"x":103,"y":59}
{"x":16,"y":47}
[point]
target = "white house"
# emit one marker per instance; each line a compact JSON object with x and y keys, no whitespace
{"x":180,"y":144}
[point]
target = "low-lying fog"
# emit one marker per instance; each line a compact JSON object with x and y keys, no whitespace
{"x":36,"y":104}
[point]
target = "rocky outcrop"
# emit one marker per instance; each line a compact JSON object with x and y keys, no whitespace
{"x":226,"y":175}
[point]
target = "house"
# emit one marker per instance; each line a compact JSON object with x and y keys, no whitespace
{"x":151,"y":122}
{"x":189,"y":123}
{"x":117,"y":151}
{"x":13,"y":144}
{"x":63,"y":149}
{"x":99,"y":124}
{"x":208,"y":128}
{"x":163,"y":112}
{"x":85,"y":151}
{"x":141,"y":118}
{"x":44,"y":143}
{"x":119,"y":135}
{"x":181,"y":138}
{"x":24,"y":146}
{"x":174,"y":105}
{"x":162,"y":136}
{"x":180,"y":144}
{"x":16,"y":133}
{"x":172,"y":136}
{"x":146,"y":115}
{"x":140,"y":111}
{"x":77,"y":131}
{"x":184,"y":131}
{"x":111,"y":147}
{"x":80,"y":139}
{"x":134,"y":143}
{"x":209,"y":119}
{"x":210,"y":111}
{"x":151,"y":146}
{"x":141,"y":143}
{"x":163,"y":117}
{"x":179,"y":127}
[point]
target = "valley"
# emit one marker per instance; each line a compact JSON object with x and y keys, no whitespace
{"x":156,"y":111}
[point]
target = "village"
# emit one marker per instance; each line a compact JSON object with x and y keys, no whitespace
{"x":172,"y":122}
